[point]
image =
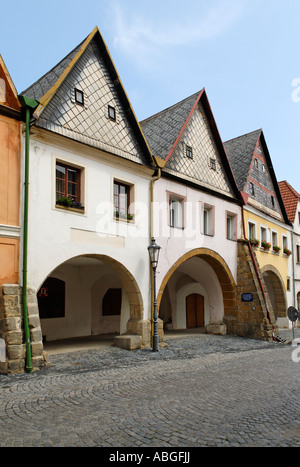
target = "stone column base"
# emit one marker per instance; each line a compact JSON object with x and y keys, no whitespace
{"x":13,"y":355}
{"x":217,"y":329}
{"x":139,"y":334}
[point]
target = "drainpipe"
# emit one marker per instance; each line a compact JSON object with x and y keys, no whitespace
{"x":157,"y":176}
{"x":28,"y":105}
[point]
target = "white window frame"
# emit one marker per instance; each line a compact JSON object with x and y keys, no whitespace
{"x":176,"y":211}
{"x":250,"y":225}
{"x":231,"y":226}
{"x":208,"y":220}
{"x":263,"y":228}
{"x":274,"y":232}
{"x":285,"y":242}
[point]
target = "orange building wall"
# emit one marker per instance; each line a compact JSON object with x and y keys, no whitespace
{"x":10,"y":197}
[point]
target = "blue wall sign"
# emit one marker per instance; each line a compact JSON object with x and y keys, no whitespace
{"x":247,"y":297}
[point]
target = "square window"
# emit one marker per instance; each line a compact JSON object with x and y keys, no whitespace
{"x":122,"y":201}
{"x":189,"y":152}
{"x":79,"y":97}
{"x":231,"y":227}
{"x":274,"y":239}
{"x":263,"y":234}
{"x":212,"y":164}
{"x":68,"y":186}
{"x":252,"y":230}
{"x":112,"y":113}
{"x":273,"y":201}
{"x":208,"y":220}
{"x":176,"y":206}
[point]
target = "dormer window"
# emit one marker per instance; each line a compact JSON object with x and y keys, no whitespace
{"x":212,"y":164}
{"x":79,"y":97}
{"x":252,"y":192}
{"x":112,"y":113}
{"x":273,"y":201}
{"x":189,"y":152}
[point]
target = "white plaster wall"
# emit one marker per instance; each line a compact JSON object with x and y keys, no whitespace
{"x":85,"y":287}
{"x":55,"y":235}
{"x":177,"y":242}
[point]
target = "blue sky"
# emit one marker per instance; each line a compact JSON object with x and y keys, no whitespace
{"x":244,"y":52}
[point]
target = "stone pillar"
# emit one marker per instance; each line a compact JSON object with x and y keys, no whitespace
{"x":252,"y":317}
{"x":12,"y":330}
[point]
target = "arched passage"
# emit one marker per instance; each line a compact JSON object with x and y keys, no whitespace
{"x":276,"y":290}
{"x":201,"y":271}
{"x":101,"y":297}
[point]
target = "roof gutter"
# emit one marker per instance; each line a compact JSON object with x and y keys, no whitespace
{"x":29,"y":105}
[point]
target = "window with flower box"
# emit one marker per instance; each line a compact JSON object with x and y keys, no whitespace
{"x":68,"y":186}
{"x":122,"y":201}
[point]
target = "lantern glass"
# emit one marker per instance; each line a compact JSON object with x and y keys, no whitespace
{"x":154,"y":250}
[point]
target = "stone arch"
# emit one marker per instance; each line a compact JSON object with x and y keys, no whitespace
{"x":220,"y":268}
{"x":129,"y":283}
{"x":276,"y":290}
{"x":81,"y":272}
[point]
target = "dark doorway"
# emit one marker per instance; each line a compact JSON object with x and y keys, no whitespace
{"x":194,"y":311}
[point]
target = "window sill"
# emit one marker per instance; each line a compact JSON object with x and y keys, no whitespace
{"x":127,"y":221}
{"x":264,"y":250}
{"x":79,"y":210}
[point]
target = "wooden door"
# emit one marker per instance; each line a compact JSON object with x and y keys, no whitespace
{"x":194,"y":311}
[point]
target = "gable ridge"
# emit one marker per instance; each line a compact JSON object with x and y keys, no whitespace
{"x":259,"y":131}
{"x":170,"y":107}
{"x":289,"y":187}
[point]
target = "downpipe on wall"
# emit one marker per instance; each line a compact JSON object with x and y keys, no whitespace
{"x":28,"y":105}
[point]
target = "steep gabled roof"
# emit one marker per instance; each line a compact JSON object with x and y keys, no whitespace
{"x":164,"y":132}
{"x":162,"y":129}
{"x":290,"y":198}
{"x":40,"y":89}
{"x":8,"y":95}
{"x":241,"y":153}
{"x":47,"y":91}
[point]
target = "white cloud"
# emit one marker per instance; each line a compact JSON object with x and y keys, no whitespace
{"x":144,"y":34}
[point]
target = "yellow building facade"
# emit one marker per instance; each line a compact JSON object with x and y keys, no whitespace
{"x":265,"y":220}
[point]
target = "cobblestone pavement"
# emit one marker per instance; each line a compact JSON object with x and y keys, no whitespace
{"x":200,"y":391}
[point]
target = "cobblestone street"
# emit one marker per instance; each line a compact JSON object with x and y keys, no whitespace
{"x":199,"y":391}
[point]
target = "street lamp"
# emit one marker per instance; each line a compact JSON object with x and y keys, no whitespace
{"x":154,"y":250}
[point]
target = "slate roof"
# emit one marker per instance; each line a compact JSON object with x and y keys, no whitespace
{"x":38,"y":89}
{"x":191,"y":120}
{"x":290,"y":198}
{"x":240,"y":152}
{"x":46,"y":91}
{"x":162,"y":129}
